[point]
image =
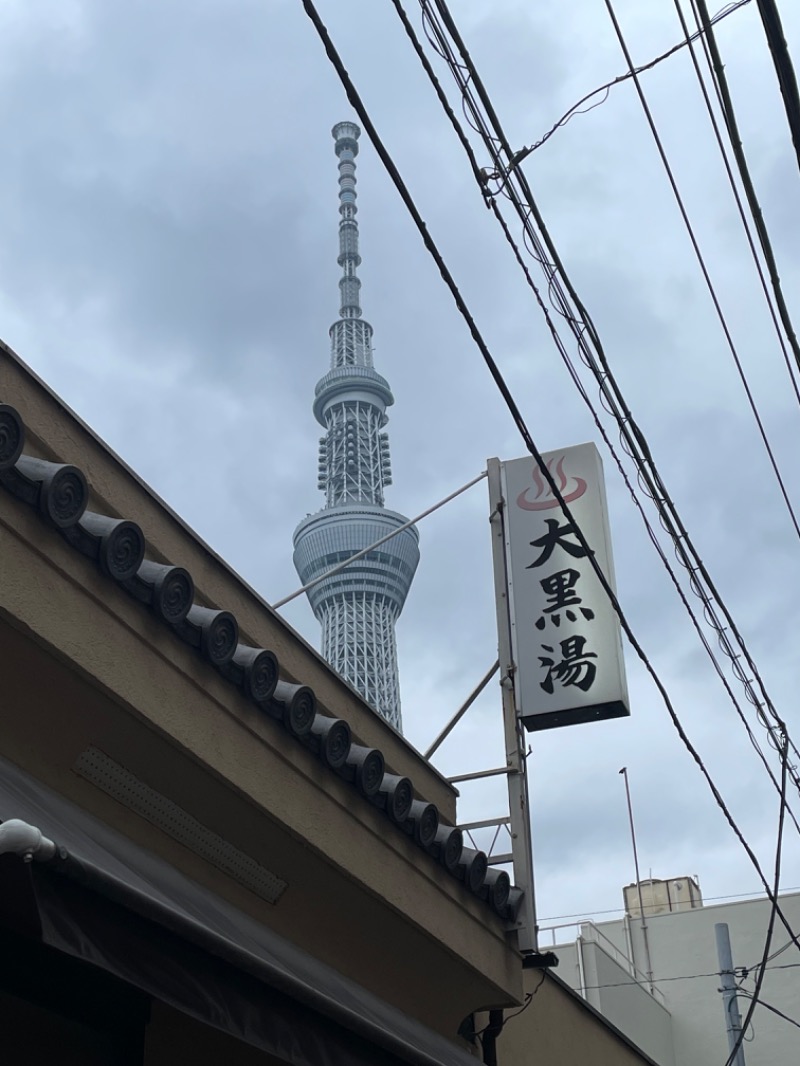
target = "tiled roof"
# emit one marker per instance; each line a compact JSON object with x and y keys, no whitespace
{"x":60,"y":493}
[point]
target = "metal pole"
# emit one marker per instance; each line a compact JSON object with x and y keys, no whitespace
{"x":476,"y":774}
{"x":730,"y":1002}
{"x":518,"y":801}
{"x":371,"y":547}
{"x":462,"y":710}
{"x":645,"y":937}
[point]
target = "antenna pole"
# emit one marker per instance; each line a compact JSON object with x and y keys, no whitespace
{"x":645,"y":937}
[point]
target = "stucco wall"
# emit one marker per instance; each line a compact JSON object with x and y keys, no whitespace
{"x":86,"y":665}
{"x":684,"y":959}
{"x":618,"y":997}
{"x":54,"y":432}
{"x":683,"y":944}
{"x":558,"y":1028}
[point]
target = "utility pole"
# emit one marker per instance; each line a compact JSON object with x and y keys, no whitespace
{"x":733,"y":1019}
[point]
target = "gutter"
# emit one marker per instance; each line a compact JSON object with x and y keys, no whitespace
{"x":21,"y":838}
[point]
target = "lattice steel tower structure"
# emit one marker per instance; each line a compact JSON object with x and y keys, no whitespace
{"x":359,"y":606}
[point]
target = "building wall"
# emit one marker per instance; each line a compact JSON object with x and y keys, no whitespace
{"x":53,"y":432}
{"x":204,"y":750}
{"x":618,"y":996}
{"x":87,"y":666}
{"x":84,"y":665}
{"x":684,"y":943}
{"x":560,"y":1029}
{"x":685,"y":967}
{"x":659,"y":896}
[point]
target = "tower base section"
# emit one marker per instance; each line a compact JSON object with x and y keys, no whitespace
{"x":359,"y":605}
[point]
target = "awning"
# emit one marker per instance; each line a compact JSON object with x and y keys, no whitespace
{"x":119,"y":907}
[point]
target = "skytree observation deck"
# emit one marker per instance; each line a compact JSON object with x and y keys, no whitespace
{"x":358,"y":606}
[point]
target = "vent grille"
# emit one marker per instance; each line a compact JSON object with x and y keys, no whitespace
{"x":95,"y":766}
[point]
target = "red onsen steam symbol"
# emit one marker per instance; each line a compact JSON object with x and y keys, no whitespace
{"x":544,"y":498}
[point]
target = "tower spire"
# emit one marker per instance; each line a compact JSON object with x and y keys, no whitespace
{"x":351,"y":335}
{"x":359,"y":606}
{"x":347,"y":134}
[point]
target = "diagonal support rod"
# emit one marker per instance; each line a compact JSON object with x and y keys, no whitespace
{"x":462,"y":710}
{"x":371,"y":547}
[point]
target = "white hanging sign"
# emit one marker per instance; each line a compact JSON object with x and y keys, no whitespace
{"x":565,"y":634}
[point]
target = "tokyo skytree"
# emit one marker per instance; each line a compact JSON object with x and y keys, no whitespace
{"x":359,"y":606}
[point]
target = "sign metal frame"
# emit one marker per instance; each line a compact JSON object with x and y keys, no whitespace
{"x":516,"y":752}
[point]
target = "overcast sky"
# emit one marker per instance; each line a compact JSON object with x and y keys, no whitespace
{"x":168,"y":242}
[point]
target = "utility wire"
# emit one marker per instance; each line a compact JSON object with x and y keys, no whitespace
{"x":492,"y":203}
{"x":604,"y":379}
{"x":528,"y":1000}
{"x":579,"y":109}
{"x":686,"y":977}
{"x":710,"y":47}
{"x":474,"y":78}
{"x":703,"y":268}
{"x":358,"y":106}
{"x":772,"y":914}
{"x":706,"y":899}
{"x":588,"y":341}
{"x":717,"y":68}
{"x":774,"y":1010}
{"x":774,"y":955}
{"x":783,"y":67}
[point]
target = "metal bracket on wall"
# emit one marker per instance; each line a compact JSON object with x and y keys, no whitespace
{"x":535,"y":960}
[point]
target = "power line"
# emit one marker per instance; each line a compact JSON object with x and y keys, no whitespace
{"x":685,"y":977}
{"x":441,"y":46}
{"x":762,"y":967}
{"x":772,"y":914}
{"x":514,"y":1014}
{"x":768,"y":1006}
{"x":703,"y":268}
{"x":774,"y":955}
{"x":360,"y":109}
{"x":709,"y":48}
{"x":780,"y":951}
{"x":588,"y":340}
{"x":706,"y":899}
{"x":579,"y":109}
{"x":720,"y":79}
{"x":782,"y":61}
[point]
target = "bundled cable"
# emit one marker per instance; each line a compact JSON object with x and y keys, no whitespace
{"x":441,"y":48}
{"x":360,"y":109}
{"x":514,"y":186}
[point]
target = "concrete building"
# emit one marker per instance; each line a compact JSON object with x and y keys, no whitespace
{"x":678,"y":1016}
{"x":212,"y":849}
{"x":357,"y":607}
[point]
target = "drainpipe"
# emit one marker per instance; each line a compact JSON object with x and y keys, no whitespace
{"x":490,"y":1035}
{"x":19,"y":838}
{"x":626,"y":928}
{"x":581,"y":971}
